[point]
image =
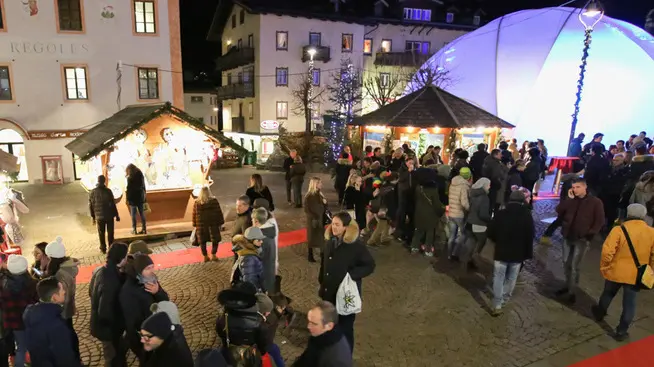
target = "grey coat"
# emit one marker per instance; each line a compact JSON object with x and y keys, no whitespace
{"x":479,"y":208}
{"x":269,"y":255}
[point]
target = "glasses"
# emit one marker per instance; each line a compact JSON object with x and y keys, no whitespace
{"x":145,"y":337}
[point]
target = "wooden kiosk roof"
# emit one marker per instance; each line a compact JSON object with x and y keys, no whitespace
{"x":428,"y":107}
{"x":110,"y":130}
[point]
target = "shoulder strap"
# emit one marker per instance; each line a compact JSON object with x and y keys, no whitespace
{"x":631,"y":246}
{"x":422,"y":191}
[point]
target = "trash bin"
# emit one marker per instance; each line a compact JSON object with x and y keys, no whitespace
{"x":251,"y":158}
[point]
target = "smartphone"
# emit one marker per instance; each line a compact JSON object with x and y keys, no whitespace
{"x":37,"y":271}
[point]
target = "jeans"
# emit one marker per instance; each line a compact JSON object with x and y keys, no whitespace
{"x":573,"y":254}
{"x":505,"y":274}
{"x":297,"y":191}
{"x":288,"y":190}
{"x":105,"y":226}
{"x":21,"y":348}
{"x":115,"y":352}
{"x":276,"y":355}
{"x":629,"y":293}
{"x":474,"y":244}
{"x":346,"y":323}
{"x":133,"y":209}
{"x":457,"y":235}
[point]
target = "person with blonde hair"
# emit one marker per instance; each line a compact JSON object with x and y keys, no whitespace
{"x":315,"y":205}
{"x":258,"y":190}
{"x":207,"y":220}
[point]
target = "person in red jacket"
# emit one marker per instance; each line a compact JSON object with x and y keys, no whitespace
{"x":583,"y":218}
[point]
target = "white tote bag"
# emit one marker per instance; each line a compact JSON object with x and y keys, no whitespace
{"x":348,"y":299}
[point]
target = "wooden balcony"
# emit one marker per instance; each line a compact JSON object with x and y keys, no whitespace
{"x":234,"y":91}
{"x":235,"y":57}
{"x":406,"y":58}
{"x":322,"y":53}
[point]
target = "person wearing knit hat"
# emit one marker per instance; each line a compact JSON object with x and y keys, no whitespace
{"x":264,"y":304}
{"x":159,"y":334}
{"x":512,"y":230}
{"x":17,"y":264}
{"x":248,"y":267}
{"x":459,"y":205}
{"x":477,"y":221}
{"x":169,"y":308}
{"x":618,"y":268}
{"x":465,"y":172}
{"x":139,"y":247}
{"x":56,"y":249}
{"x":140,"y":291}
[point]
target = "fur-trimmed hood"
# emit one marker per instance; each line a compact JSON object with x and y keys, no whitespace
{"x":351,"y":232}
{"x":643,"y":158}
{"x":344,"y":161}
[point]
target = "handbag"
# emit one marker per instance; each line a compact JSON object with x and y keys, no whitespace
{"x":348,"y":299}
{"x":146,"y":208}
{"x":327,"y":217}
{"x":645,"y":274}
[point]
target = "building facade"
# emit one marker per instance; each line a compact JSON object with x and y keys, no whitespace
{"x":266,"y":56}
{"x":203,"y":105}
{"x":65,"y":65}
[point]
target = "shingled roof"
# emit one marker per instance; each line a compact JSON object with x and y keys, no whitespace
{"x":110,"y":130}
{"x":428,"y":107}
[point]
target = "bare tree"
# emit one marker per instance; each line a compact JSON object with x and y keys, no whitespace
{"x":305,"y":95}
{"x":382,"y":87}
{"x":427,"y":75}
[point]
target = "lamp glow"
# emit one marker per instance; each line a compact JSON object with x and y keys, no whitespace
{"x":228,"y":42}
{"x":591,"y":14}
{"x":311,"y":52}
{"x":215,"y":109}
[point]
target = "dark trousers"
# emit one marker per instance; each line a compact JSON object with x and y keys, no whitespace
{"x":69,"y":323}
{"x":105,"y":228}
{"x":133,"y":210}
{"x":4,"y":352}
{"x":549,"y":232}
{"x":297,"y":191}
{"x":629,"y":293}
{"x":209,"y":234}
{"x":346,"y":323}
{"x":115,"y":352}
{"x":529,"y":185}
{"x":404,"y":209}
{"x":288,"y":190}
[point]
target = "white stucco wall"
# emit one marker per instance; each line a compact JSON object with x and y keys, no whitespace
{"x":203,"y":109}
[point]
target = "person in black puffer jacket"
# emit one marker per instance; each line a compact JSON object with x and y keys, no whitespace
{"x":107,"y":322}
{"x":163,"y":342}
{"x":140,"y":291}
{"x":135,"y":194}
{"x":342,"y":173}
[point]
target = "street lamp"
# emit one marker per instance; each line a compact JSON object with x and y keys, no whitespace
{"x":589,"y":16}
{"x":309,"y":124}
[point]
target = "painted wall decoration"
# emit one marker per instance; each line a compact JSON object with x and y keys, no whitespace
{"x":31,"y":7}
{"x":108,"y":12}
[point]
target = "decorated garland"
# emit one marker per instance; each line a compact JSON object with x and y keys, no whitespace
{"x":580,"y":82}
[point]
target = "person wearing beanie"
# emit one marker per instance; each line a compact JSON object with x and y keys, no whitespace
{"x":163,"y":346}
{"x":107,"y":322}
{"x":65,"y":269}
{"x":140,"y":290}
{"x":248,"y":267}
{"x":103,"y":211}
{"x":477,"y":221}
{"x":210,"y":358}
{"x":17,"y":293}
{"x":263,"y":203}
{"x":271,"y":320}
{"x":459,"y":205}
{"x":139,"y":247}
{"x":618,"y":267}
{"x":512,"y":230}
{"x":261,"y":220}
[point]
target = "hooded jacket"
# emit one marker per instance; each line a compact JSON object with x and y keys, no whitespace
{"x":173,"y":352}
{"x":269,"y":255}
{"x":459,"y":197}
{"x":106,"y":314}
{"x":479,"y":207}
{"x":342,"y":256}
{"x":244,"y":327}
{"x":67,"y":274}
{"x":49,"y":340}
{"x":512,"y":231}
{"x":428,"y":206}
{"x":643,"y":194}
{"x":248,"y":267}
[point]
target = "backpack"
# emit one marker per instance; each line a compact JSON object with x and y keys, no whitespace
{"x":242,"y":355}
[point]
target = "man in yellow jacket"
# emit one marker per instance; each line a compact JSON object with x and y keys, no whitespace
{"x":619,"y":268}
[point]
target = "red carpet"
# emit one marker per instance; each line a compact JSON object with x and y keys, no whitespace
{"x":193,"y":255}
{"x":636,"y":354}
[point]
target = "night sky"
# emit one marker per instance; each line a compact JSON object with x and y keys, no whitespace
{"x":196,"y":17}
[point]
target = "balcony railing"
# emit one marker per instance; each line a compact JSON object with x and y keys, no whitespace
{"x":406,"y":58}
{"x":322,"y":53}
{"x":234,"y":91}
{"x":238,"y":124}
{"x":235,"y":57}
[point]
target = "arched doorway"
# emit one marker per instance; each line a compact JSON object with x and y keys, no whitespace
{"x":12,"y":143}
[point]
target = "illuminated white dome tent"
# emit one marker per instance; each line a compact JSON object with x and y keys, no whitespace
{"x":524,"y":67}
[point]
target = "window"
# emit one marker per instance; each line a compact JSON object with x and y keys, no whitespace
{"x":476,"y":20}
{"x":417,"y":14}
{"x":241,"y":17}
{"x":449,"y":18}
{"x":233,"y":20}
{"x":282,"y":41}
{"x":251,"y":40}
{"x":346,"y":42}
{"x":239,"y":44}
{"x":2,"y":17}
{"x":70,"y":15}
{"x":315,"y":110}
{"x":197,"y":99}
{"x":315,"y":39}
{"x":239,"y":78}
{"x":229,"y":78}
{"x":281,"y":79}
{"x":76,"y":83}
{"x":418,"y":47}
{"x":5,"y":84}
{"x":250,"y":110}
{"x":315,"y":77}
{"x":144,"y":17}
{"x":282,"y":110}
{"x":148,"y":83}
{"x":248,"y":72}
{"x":384,"y":79}
{"x":367,"y":46}
{"x":386,"y":45}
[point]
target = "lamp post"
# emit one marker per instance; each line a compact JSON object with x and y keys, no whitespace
{"x":309,"y":119}
{"x":589,"y":16}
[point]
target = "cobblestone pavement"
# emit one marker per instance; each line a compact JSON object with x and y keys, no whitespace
{"x":417,"y":312}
